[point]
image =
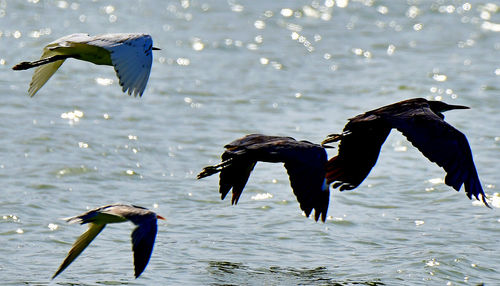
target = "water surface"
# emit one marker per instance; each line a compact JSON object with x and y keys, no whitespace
{"x":226,"y":69}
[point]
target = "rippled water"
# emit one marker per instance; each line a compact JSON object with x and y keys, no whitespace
{"x":294,"y":68}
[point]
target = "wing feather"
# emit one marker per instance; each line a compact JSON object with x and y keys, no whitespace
{"x":304,"y":161}
{"x":132,"y":59}
{"x":444,"y":145}
{"x":80,"y":244}
{"x":143,"y":239}
{"x":44,"y":72}
{"x":359,"y":149}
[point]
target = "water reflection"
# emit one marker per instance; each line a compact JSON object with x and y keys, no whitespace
{"x":235,"y":273}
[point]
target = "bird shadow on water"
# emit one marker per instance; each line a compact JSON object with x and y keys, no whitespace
{"x":228,"y":273}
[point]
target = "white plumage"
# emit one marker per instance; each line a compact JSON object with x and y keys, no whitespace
{"x":130,"y":54}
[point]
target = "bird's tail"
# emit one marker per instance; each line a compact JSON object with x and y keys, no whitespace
{"x":210,"y":170}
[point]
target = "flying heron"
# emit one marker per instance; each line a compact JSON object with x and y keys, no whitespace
{"x":143,"y":237}
{"x":130,"y":55}
{"x":304,"y":162}
{"x":422,"y":122}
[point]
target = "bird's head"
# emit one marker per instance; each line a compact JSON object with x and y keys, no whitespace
{"x":439,"y":106}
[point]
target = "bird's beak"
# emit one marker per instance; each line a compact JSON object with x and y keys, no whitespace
{"x":155,"y":49}
{"x":160,"y":217}
{"x":450,"y":107}
{"x":329,"y":139}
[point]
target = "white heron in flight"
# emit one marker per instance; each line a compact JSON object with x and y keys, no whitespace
{"x":130,"y":54}
{"x":143,"y":237}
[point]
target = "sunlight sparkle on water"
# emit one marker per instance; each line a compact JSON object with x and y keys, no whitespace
{"x":286,"y":12}
{"x":198,"y":45}
{"x":52,"y":226}
{"x":103,"y":81}
{"x":263,"y":196}
{"x":83,"y":145}
{"x":72,"y":116}
{"x":432,"y":263}
{"x":439,"y":77}
{"x":436,"y":181}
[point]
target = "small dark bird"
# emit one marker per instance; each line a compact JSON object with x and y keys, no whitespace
{"x":304,"y":162}
{"x":130,"y":54}
{"x":143,"y":237}
{"x":422,"y":122}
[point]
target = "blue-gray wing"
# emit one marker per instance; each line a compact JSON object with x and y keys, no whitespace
{"x":143,"y":239}
{"x":442,"y":144}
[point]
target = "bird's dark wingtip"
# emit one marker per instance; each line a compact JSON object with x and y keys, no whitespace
{"x":483,"y":198}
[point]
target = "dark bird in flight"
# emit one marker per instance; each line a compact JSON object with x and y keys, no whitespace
{"x":304,"y":162}
{"x":143,"y":237}
{"x":422,"y":122}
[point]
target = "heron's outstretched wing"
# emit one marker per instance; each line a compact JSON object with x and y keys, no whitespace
{"x":132,"y":58}
{"x":143,"y":239}
{"x":80,"y":244}
{"x":359,"y":149}
{"x":44,"y":72}
{"x":442,"y":144}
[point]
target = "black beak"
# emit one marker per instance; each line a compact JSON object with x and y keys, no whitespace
{"x":155,"y":49}
{"x":451,"y":107}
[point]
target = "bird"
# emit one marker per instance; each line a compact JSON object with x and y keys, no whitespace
{"x":143,"y":236}
{"x":422,"y":122}
{"x":129,"y":53}
{"x":304,"y":162}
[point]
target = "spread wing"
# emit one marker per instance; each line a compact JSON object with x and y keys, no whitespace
{"x":306,"y":169}
{"x":44,"y":72}
{"x":444,"y":145}
{"x":132,"y":57}
{"x":359,"y":149}
{"x":304,"y":161}
{"x":143,"y":239}
{"x":80,"y":244}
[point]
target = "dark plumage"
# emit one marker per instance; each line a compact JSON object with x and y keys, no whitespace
{"x":422,"y":122}
{"x":304,"y":161}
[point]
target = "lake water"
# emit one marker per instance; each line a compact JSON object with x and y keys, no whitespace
{"x":226,"y":69}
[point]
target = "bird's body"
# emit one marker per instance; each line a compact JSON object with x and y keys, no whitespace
{"x":304,"y":161}
{"x":129,"y":54}
{"x":422,"y":122}
{"x":143,"y":237}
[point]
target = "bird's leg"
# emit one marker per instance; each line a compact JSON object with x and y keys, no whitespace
{"x":28,"y":65}
{"x":210,"y":170}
